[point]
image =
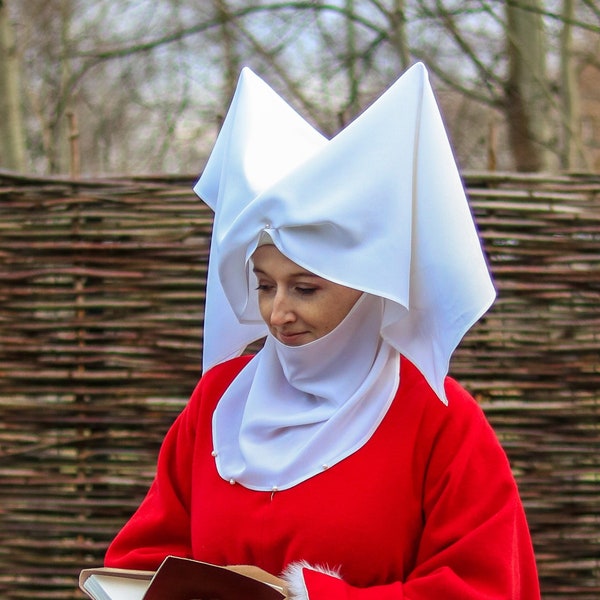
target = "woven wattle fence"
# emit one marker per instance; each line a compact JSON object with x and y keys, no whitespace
{"x":101,"y":312}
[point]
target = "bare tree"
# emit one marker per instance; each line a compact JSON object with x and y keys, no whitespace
{"x":12,"y":153}
{"x":572,"y":154}
{"x":228,"y":42}
{"x":527,"y":94}
{"x":149,"y":80}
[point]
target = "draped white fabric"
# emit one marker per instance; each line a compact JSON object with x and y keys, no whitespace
{"x":380,"y":208}
{"x":261,"y":140}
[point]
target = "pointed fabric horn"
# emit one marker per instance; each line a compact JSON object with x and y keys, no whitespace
{"x":262,"y":138}
{"x":380,"y":208}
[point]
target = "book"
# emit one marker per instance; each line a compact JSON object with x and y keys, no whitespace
{"x":181,"y":579}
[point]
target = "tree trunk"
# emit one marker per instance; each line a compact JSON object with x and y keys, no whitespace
{"x":12,"y":148}
{"x":571,"y":156}
{"x":61,"y":151}
{"x":352,"y":107}
{"x":399,"y":36}
{"x":527,"y":96}
{"x":231,"y":60}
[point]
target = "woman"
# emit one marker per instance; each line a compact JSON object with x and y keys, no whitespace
{"x":341,"y":456}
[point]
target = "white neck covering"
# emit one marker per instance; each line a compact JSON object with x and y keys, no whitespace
{"x":379,"y":208}
{"x":281,"y":419}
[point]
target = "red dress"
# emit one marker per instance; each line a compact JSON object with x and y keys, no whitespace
{"x":427,"y":509}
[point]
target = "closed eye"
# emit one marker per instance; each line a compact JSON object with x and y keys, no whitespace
{"x":306,"y":291}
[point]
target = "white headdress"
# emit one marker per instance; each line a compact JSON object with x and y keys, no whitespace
{"x":380,"y":208}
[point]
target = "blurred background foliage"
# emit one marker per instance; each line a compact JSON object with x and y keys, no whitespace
{"x":140,"y":86}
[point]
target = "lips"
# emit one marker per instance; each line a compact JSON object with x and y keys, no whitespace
{"x":291,"y":338}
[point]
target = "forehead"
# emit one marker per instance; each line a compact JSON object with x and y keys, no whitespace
{"x":268,"y":259}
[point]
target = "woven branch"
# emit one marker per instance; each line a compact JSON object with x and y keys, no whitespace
{"x":101,"y":313}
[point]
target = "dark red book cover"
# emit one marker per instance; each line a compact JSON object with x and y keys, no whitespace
{"x":186,"y":579}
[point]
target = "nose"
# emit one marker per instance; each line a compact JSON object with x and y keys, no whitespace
{"x":282,"y":310}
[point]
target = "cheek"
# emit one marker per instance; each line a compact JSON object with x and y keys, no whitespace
{"x":336,"y":309}
{"x":265,"y":308}
{"x":331,"y":317}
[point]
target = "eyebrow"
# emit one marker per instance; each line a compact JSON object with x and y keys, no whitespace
{"x":297,"y":274}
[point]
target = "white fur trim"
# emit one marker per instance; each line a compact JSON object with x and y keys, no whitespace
{"x":294,"y":578}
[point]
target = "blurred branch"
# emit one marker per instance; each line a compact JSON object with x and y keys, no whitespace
{"x":449,"y":23}
{"x":179,"y":34}
{"x":556,"y":16}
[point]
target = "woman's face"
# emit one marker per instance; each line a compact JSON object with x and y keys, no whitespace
{"x":298,"y":306}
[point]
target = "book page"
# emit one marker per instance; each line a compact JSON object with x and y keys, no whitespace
{"x":106,"y":587}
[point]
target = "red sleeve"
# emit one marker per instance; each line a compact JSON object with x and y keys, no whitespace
{"x":161,"y":525}
{"x":475,"y":543}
